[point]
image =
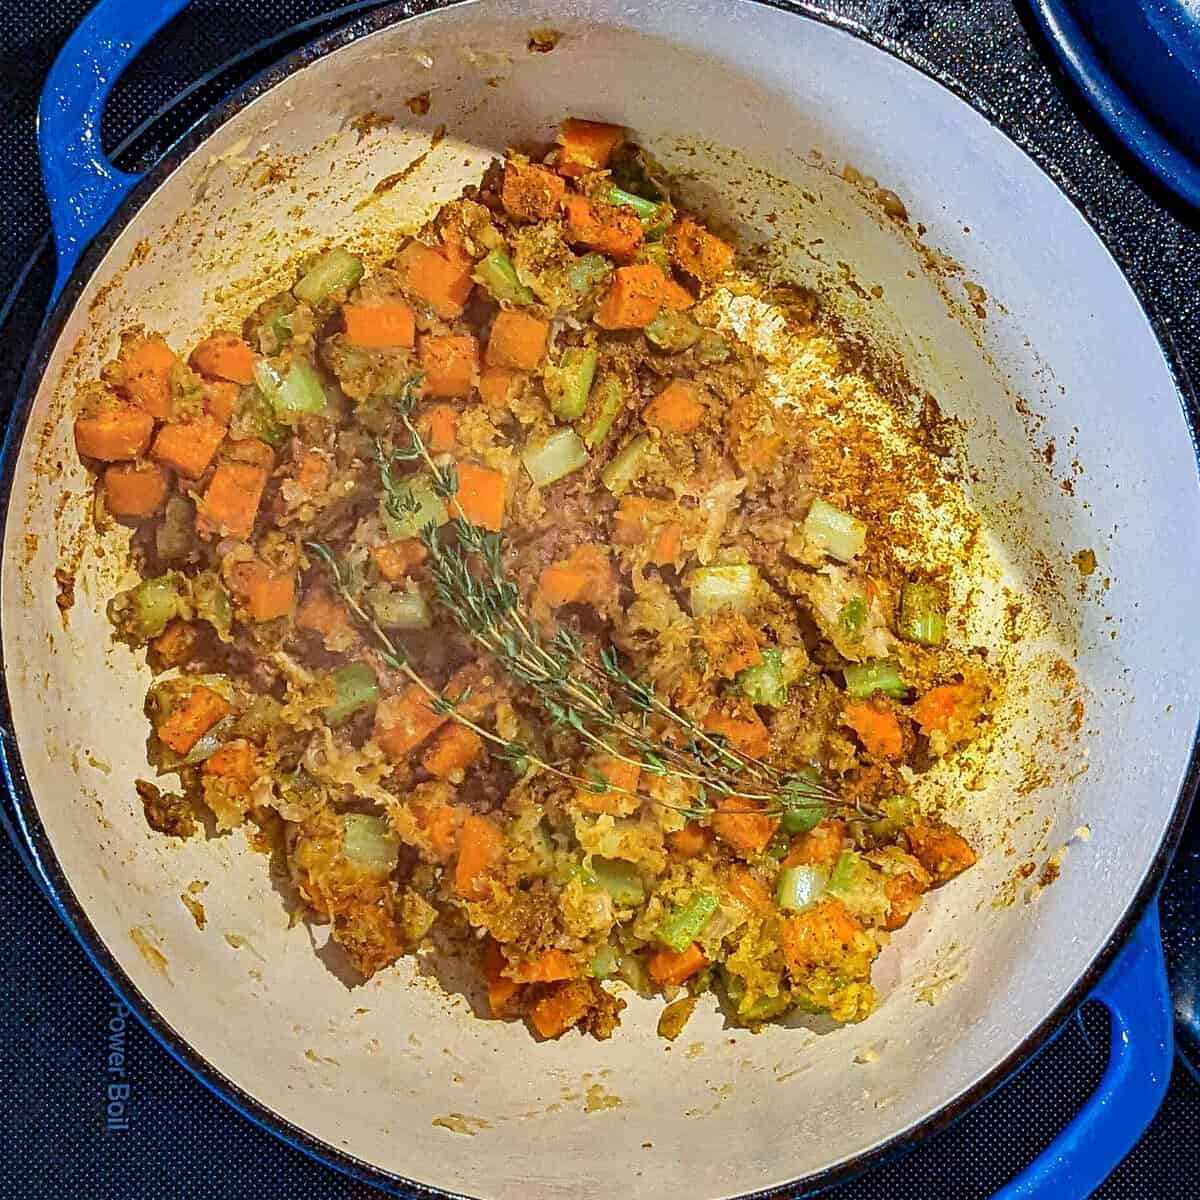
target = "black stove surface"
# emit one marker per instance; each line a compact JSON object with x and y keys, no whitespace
{"x":181,"y":1140}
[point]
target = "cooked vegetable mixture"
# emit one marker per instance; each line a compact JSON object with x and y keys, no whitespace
{"x":493,"y":590}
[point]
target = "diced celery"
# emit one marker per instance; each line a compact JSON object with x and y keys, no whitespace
{"x":607,"y":400}
{"x":711,"y":588}
{"x":673,"y":331}
{"x":852,"y":619}
{"x":569,"y":383}
{"x":151,"y":605}
{"x":213,"y":604}
{"x":554,"y":457}
{"x":712,"y":348}
{"x":799,"y":887}
{"x":412,"y":505}
{"x":922,"y":614}
{"x":367,"y":843}
{"x":497,"y":273}
{"x":302,"y":392}
{"x":620,"y":880}
{"x":878,"y":675}
{"x":356,"y":687}
{"x":834,"y":532}
{"x":683,"y":924}
{"x":399,"y":610}
{"x":588,"y":271}
{"x":898,"y":812}
{"x":605,"y":961}
{"x":335,"y":270}
{"x":645,"y":209}
{"x":847,"y":871}
{"x":764,"y":682}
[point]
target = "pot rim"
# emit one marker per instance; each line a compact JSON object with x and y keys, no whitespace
{"x":73,"y":913}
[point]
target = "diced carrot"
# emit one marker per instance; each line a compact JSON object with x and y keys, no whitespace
{"x":548,"y":967}
{"x":876,"y":726}
{"x":587,"y":145}
{"x":322,"y":612}
{"x":481,"y":496}
{"x":730,"y":642}
{"x":741,"y":824}
{"x":451,"y":365}
{"x":231,"y":501}
{"x":236,"y":762}
{"x":502,"y":990}
{"x":675,"y":967}
{"x":904,"y":892}
{"x":586,"y":575}
{"x":819,"y":847}
{"x":819,"y":936}
{"x":442,"y":823}
{"x":176,"y":644}
{"x":396,"y":559}
{"x":678,"y":408}
{"x":454,"y":749}
{"x":945,"y":705}
{"x":134,"y":489}
{"x":188,"y":446}
{"x":518,"y":339}
{"x":691,"y":840}
{"x":562,"y":1007}
{"x":746,"y":887}
{"x":225,"y":356}
{"x":531,"y":192}
{"x":114,"y":433}
{"x":267,"y":595}
{"x":192,"y":718}
{"x":478,"y":683}
{"x":636,"y":295}
{"x":699,"y":252}
{"x":480,"y":848}
{"x":147,"y":363}
{"x":496,"y":386}
{"x":312,"y":472}
{"x":942,"y":851}
{"x":606,"y":228}
{"x":383,"y":325}
{"x":221,"y":399}
{"x":439,"y":427}
{"x":621,"y":798}
{"x":430,"y":276}
{"x":747,"y":734}
{"x":403,"y":722}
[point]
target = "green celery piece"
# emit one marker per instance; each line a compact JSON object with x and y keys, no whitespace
{"x":799,"y":887}
{"x":922,"y":614}
{"x":683,"y":924}
{"x":587,"y":271}
{"x":334,"y":271}
{"x":620,"y":880}
{"x":763,"y":683}
{"x":413,"y":504}
{"x":497,"y":273}
{"x":877,"y":675}
{"x":852,"y":620}
{"x":555,"y":457}
{"x":626,"y":465}
{"x":645,"y":209}
{"x":569,"y":384}
{"x":356,"y":687}
{"x":673,"y":331}
{"x":607,"y":399}
{"x":366,"y":842}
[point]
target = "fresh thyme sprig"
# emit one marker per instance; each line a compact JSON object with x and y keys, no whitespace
{"x":471,"y":584}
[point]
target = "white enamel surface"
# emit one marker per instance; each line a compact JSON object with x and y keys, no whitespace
{"x":1063,"y":331}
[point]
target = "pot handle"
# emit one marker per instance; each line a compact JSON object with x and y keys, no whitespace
{"x":1115,"y":1116}
{"x":83,"y":188}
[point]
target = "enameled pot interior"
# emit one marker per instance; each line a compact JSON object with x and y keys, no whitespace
{"x":399,"y":1073}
